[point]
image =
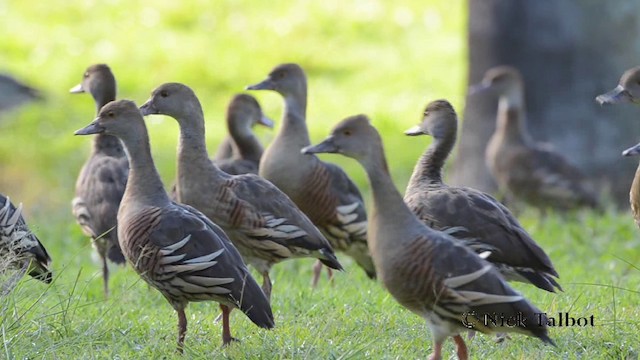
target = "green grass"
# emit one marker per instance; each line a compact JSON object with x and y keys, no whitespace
{"x":383,"y":59}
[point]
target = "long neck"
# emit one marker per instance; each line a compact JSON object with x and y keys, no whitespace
{"x":245,"y":144}
{"x":144,"y":183}
{"x":294,"y":129}
{"x":103,"y":143}
{"x":429,"y":167}
{"x":388,"y":205}
{"x":192,"y":147}
{"x":511,"y":117}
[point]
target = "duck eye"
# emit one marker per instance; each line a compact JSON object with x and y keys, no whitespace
{"x":164,"y":93}
{"x":86,"y":75}
{"x":281,"y":74}
{"x":110,"y":114}
{"x":347,"y":132}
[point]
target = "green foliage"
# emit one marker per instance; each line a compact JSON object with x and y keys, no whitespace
{"x":381,"y":58}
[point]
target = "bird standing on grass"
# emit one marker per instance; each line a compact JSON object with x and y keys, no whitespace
{"x":526,"y":170}
{"x":261,"y":221}
{"x":322,"y":190}
{"x":173,"y":247}
{"x":103,"y":177}
{"x":479,"y":217}
{"x":427,"y":271}
{"x":628,"y":91}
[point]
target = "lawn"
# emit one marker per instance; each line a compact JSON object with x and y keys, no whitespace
{"x":380,"y":58}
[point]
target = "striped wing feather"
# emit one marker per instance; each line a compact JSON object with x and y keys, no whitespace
{"x":189,"y":258}
{"x":447,"y":280}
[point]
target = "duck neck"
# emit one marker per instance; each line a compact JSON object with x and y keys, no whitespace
{"x":294,"y":128}
{"x":388,"y":205}
{"x":102,"y":143}
{"x":192,"y":147}
{"x":144,"y":183}
{"x":511,"y":118}
{"x":429,"y":167}
{"x":245,"y":144}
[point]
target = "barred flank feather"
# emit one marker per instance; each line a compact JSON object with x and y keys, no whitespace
{"x":20,"y":245}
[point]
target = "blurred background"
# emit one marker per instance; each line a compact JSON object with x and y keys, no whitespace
{"x":385,"y":59}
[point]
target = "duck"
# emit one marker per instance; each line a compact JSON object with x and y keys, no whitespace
{"x":20,"y":248}
{"x":634,"y":193}
{"x":14,"y":93}
{"x":243,"y":113}
{"x":174,"y":247}
{"x":262,"y":221}
{"x":429,"y":272}
{"x":627,"y":91}
{"x":475,"y":215}
{"x":103,"y":177}
{"x":323,"y":191}
{"x":524,"y":170}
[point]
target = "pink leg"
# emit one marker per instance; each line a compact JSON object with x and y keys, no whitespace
{"x":266,"y":285}
{"x":226,"y":330}
{"x":182,"y":329}
{"x":437,"y":351}
{"x":463,"y":352}
{"x":317,"y":268}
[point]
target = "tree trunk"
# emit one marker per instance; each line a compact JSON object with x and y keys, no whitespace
{"x":568,"y":51}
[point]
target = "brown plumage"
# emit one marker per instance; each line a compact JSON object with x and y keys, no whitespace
{"x":174,"y":247}
{"x":321,"y":190}
{"x":103,"y":177}
{"x":243,"y":113}
{"x":627,"y":91}
{"x":263,"y":223}
{"x":472,"y":214}
{"x":634,"y":193}
{"x":523,"y":169}
{"x":19,"y":247}
{"x":427,"y":271}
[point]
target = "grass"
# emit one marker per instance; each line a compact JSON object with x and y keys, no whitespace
{"x":381,"y":58}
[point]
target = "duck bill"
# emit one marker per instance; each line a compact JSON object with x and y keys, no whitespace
{"x":265,"y":121}
{"x":148,"y":108}
{"x":266,"y":84}
{"x":415,"y":131}
{"x":635,"y":150}
{"x":93,"y":128}
{"x":478,"y":88}
{"x":76,"y":89}
{"x":616,"y":96}
{"x":327,"y":146}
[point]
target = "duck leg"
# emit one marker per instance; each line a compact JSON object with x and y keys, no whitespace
{"x":437,"y":351}
{"x":226,"y":330}
{"x":266,"y":285}
{"x":101,"y":246}
{"x":182,"y":329}
{"x":463,"y":352}
{"x":317,"y":269}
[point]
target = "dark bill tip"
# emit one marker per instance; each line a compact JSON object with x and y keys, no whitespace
{"x":264,"y":85}
{"x":90,"y":129}
{"x":327,"y":146}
